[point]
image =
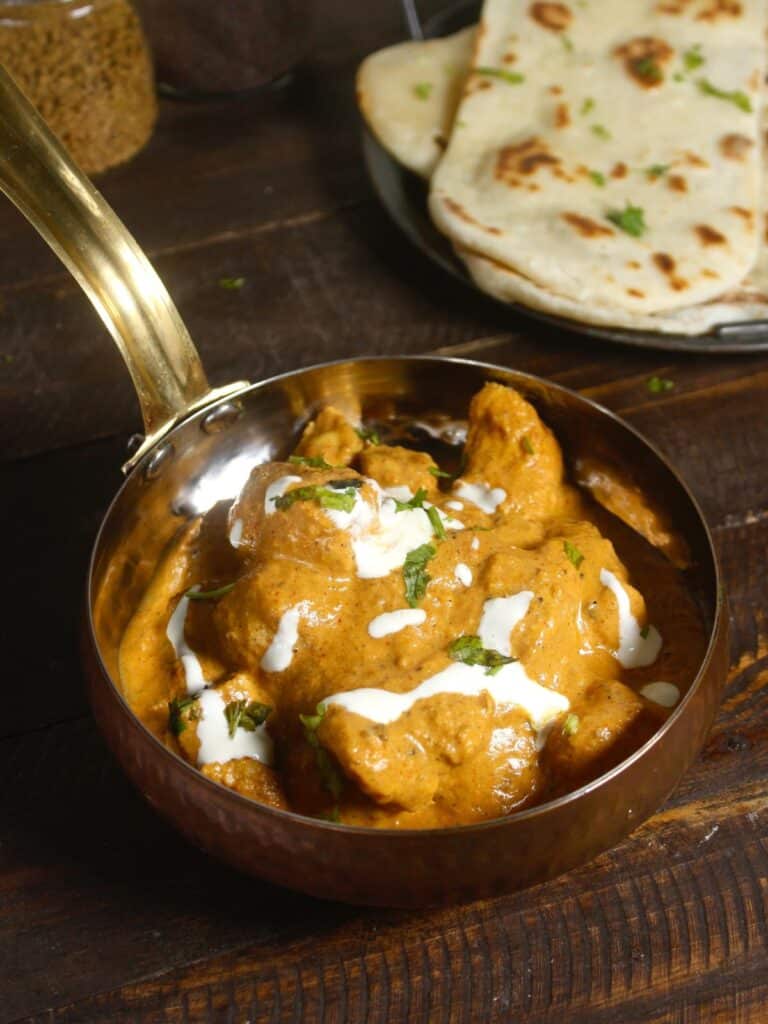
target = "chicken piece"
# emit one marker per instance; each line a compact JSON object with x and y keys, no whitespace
{"x":509,"y":447}
{"x":393,"y":466}
{"x":250,"y":778}
{"x":570,"y":626}
{"x":146,"y":658}
{"x":613,"y":488}
{"x":603,"y":727}
{"x":266,"y":523}
{"x":330,"y":436}
{"x":406,"y":761}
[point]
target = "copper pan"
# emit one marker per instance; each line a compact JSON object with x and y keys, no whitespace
{"x":200,"y":445}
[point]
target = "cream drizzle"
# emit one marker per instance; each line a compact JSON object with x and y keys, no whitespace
{"x":382,"y":536}
{"x":635,"y":650}
{"x":193,"y":670}
{"x":486,"y":498}
{"x":499,"y":618}
{"x":509,"y":687}
{"x":217,"y":746}
{"x":279,"y":655}
{"x":463,"y":574}
{"x":664,"y":694}
{"x":276,"y":490}
{"x":475,"y":545}
{"x":454,"y":506}
{"x":393,"y":622}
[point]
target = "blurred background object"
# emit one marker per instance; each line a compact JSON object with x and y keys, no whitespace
{"x":86,"y":67}
{"x":209,"y":47}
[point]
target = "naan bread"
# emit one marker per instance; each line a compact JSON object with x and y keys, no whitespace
{"x":535,"y":168}
{"x":749,"y":301}
{"x":408,"y":94}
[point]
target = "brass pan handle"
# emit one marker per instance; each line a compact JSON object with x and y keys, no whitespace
{"x":39,"y":176}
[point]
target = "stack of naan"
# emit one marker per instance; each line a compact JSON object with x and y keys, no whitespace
{"x":597,"y":159}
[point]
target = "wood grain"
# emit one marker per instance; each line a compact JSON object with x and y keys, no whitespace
{"x":107,"y":915}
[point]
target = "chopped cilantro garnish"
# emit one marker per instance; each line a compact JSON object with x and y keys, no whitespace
{"x":601,"y":131}
{"x":311,"y":722}
{"x":329,"y":496}
{"x":417,"y":501}
{"x":232,"y":284}
{"x":439,"y":472}
{"x":245,"y":714}
{"x":692,"y":58}
{"x":587,"y":106}
{"x":735,"y":96}
{"x":415,"y":575}
{"x":598,"y":178}
{"x":575,"y":557}
{"x":437,"y":524}
{"x":354,"y":482}
{"x":181,"y":711}
{"x":511,"y":77}
{"x":656,"y":170}
{"x":644,"y":632}
{"x":313,"y":461}
{"x":571,"y":725}
{"x":678,"y":76}
{"x":648,"y":70}
{"x":209,"y":595}
{"x":368,"y":434}
{"x":567,"y":43}
{"x":470,"y":651}
{"x":658,"y":385}
{"x":527,"y":446}
{"x":422,"y":90}
{"x":631,"y":219}
{"x":329,"y":774}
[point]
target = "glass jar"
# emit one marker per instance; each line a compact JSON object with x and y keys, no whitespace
{"x":209,"y":47}
{"x":87,"y":69}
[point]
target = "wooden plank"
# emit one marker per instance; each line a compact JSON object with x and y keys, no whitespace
{"x":79,"y":844}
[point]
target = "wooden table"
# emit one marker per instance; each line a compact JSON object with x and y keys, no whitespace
{"x":105,"y":915}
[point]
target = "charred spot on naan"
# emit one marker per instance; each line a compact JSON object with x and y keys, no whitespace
{"x":562,"y":115}
{"x":677,"y":183}
{"x":666,"y":264}
{"x":619,"y":170}
{"x":523,"y":158}
{"x":709,"y":236}
{"x":735,"y":146}
{"x":585,"y":226}
{"x":644,"y":58}
{"x":693,"y":159}
{"x":458,"y":210}
{"x":635,"y":293}
{"x":553,"y":16}
{"x":701,"y":10}
{"x":717,"y":9}
{"x":746,"y":215}
{"x":708,"y":272}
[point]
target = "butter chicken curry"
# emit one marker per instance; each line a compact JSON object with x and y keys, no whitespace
{"x":366,"y":637}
